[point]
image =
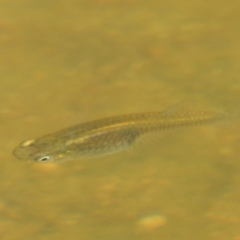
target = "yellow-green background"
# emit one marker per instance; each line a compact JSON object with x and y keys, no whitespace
{"x":63,"y":62}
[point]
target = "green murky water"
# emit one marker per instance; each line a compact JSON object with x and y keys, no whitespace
{"x":67,"y":62}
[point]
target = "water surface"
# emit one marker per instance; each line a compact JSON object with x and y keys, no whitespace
{"x":67,"y":62}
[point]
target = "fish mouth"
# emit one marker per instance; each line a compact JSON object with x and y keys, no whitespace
{"x":24,"y":153}
{"x":20,"y":153}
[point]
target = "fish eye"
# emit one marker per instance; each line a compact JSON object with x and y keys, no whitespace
{"x":42,"y":159}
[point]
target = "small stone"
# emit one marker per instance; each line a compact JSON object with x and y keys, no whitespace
{"x":47,"y":168}
{"x":152,"y":222}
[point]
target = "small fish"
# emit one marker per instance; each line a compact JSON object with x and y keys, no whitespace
{"x":108,"y":135}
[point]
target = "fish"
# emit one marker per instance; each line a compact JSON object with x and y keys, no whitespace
{"x":109,"y":135}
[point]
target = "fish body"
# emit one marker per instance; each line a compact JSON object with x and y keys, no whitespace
{"x":108,"y":135}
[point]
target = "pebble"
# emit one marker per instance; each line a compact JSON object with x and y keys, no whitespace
{"x":152,"y":222}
